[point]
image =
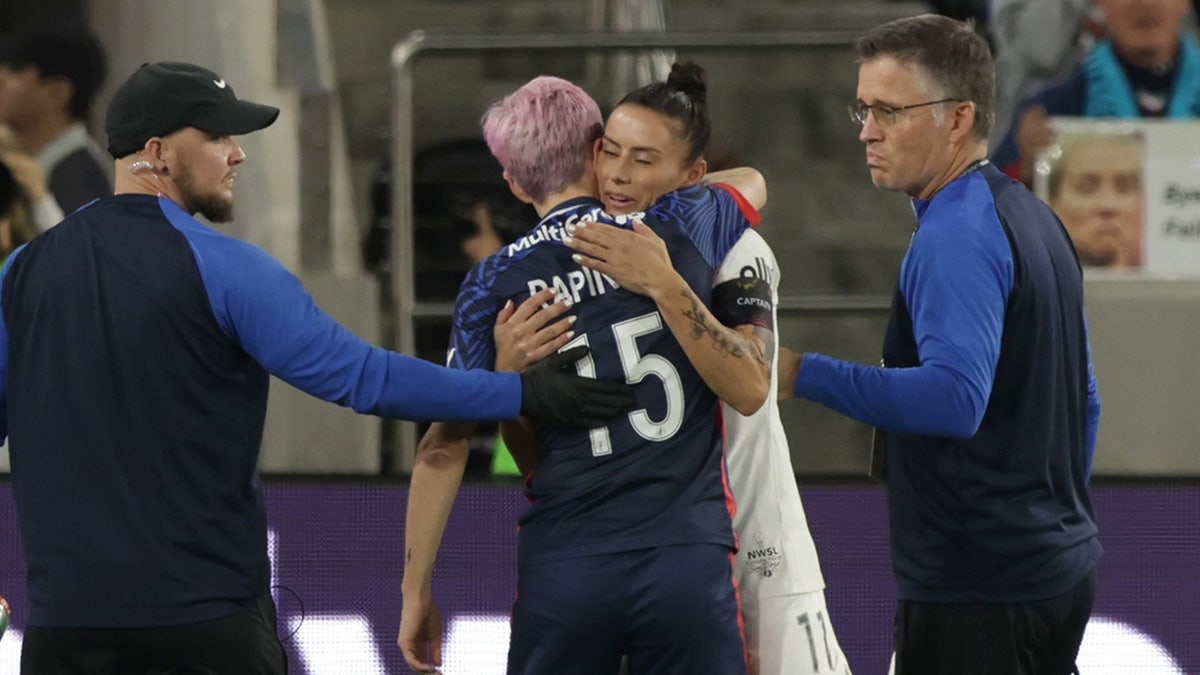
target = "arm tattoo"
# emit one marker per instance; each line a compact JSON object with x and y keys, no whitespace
{"x":725,"y":345}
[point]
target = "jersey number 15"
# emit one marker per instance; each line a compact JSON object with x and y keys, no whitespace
{"x":636,"y":367}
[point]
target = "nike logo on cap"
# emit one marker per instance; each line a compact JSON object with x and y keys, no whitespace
{"x":220,"y":83}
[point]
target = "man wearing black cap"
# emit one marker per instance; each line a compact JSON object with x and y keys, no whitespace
{"x":49,"y":76}
{"x":134,"y":356}
{"x":171,"y":128}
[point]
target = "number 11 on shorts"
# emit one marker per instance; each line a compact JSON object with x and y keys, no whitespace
{"x":806,"y":623}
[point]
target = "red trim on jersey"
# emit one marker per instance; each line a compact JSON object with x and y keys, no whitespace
{"x":746,"y":207}
{"x":730,"y":501}
{"x":731,"y":506}
{"x":741,"y":618}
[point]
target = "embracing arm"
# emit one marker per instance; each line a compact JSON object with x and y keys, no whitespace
{"x":732,"y":361}
{"x":746,"y":180}
{"x":438,"y":471}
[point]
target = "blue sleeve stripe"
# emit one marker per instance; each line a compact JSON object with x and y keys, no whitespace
{"x":710,"y":215}
{"x":264,"y":308}
{"x":471,"y":341}
{"x":955,"y":280}
{"x":926,"y":400}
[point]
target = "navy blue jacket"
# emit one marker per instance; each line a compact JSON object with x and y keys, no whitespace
{"x":134,"y":357}
{"x":987,"y":398}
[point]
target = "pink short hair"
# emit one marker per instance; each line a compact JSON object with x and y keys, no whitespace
{"x":542,"y":134}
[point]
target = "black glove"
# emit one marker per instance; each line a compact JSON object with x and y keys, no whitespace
{"x":552,"y":392}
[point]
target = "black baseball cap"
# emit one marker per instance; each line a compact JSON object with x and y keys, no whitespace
{"x":162,"y":98}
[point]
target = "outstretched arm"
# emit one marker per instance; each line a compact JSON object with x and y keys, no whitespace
{"x":955,"y":283}
{"x":732,"y":361}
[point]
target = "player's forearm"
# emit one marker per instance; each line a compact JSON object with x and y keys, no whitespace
{"x":437,"y":474}
{"x":733,"y":365}
{"x":746,"y":180}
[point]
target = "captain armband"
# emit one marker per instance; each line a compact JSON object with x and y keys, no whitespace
{"x":745,"y":300}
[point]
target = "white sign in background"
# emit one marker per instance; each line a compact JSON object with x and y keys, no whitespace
{"x":1170,"y":188}
{"x":1172,"y":185}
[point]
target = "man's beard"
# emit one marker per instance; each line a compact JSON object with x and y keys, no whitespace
{"x":212,"y":206}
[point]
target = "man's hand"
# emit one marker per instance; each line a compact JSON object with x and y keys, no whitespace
{"x":789,"y":372}
{"x":637,"y":260}
{"x":529,"y":333}
{"x":420,"y":636}
{"x":550,"y":392}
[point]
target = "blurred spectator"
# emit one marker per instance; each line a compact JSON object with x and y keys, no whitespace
{"x":487,"y":220}
{"x":377,"y":240}
{"x":1148,"y":67}
{"x":15,"y":225}
{"x":1095,"y":187}
{"x":457,"y":185}
{"x":478,"y":236}
{"x":43,"y":209}
{"x":1037,"y":44}
{"x":48,"y":78}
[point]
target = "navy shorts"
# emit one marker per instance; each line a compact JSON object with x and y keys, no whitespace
{"x":672,"y":610}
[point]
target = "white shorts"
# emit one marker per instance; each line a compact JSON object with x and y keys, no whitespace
{"x":792,"y":635}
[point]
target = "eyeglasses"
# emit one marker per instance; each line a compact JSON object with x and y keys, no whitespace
{"x":885,"y":115}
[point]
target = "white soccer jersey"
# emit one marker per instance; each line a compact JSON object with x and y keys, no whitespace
{"x":777,"y":555}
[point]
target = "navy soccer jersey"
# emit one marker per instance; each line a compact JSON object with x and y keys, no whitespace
{"x":655,"y":476}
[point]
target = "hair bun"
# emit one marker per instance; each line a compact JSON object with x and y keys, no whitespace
{"x":690,"y":79}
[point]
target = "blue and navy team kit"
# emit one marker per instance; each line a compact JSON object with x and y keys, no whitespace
{"x":135,"y":349}
{"x":989,"y":399}
{"x":618,"y":505}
